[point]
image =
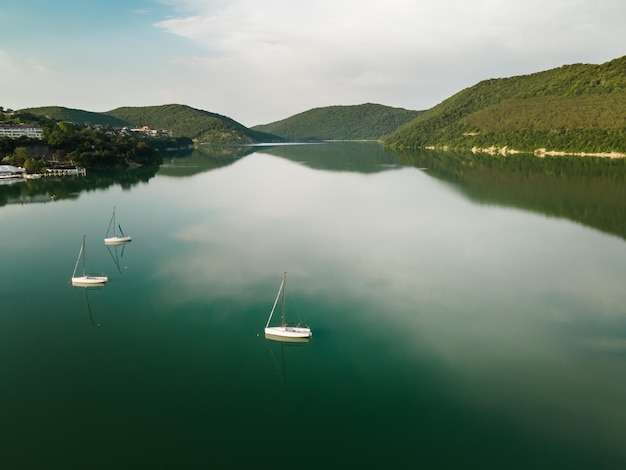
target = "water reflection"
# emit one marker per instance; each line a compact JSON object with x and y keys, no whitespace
{"x":117,"y":253}
{"x":454,"y":320}
{"x":83,"y":295}
{"x":508,"y":307}
{"x":587,"y":190}
{"x":277,"y":347}
{"x":50,"y":189}
{"x":358,"y":157}
{"x":201,"y":159}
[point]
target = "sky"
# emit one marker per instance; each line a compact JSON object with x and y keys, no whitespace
{"x":260,"y":61}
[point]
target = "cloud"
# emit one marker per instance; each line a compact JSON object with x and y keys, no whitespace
{"x":370,"y":29}
{"x":400,"y":52}
{"x":27,"y":69}
{"x":264,"y":60}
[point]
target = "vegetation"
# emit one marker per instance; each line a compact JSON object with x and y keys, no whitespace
{"x":361,"y":122}
{"x":182,"y":121}
{"x":574,"y":108}
{"x":78,"y":116}
{"x":65,"y":142}
{"x":92,"y":148}
{"x":201,"y":126}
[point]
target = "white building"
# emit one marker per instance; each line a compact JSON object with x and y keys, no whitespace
{"x":15,"y":131}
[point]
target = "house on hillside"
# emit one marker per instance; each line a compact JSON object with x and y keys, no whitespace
{"x":13,"y":131}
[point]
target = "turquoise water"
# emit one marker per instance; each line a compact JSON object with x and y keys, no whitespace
{"x":456,"y":322}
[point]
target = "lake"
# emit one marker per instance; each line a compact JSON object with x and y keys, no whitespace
{"x":467,"y":312}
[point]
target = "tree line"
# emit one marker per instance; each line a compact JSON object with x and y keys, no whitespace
{"x":574,"y":108}
{"x":76,"y":144}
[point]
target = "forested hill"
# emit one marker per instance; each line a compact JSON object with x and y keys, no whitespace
{"x":183,"y":121}
{"x":574,"y":108}
{"x":359,"y":122}
{"x":201,"y":126}
{"x":60,"y":113}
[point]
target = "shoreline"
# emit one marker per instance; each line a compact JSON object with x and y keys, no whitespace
{"x":542,"y":152}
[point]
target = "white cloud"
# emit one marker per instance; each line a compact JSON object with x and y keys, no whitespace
{"x":25,"y":67}
{"x":400,"y":52}
{"x":264,"y":60}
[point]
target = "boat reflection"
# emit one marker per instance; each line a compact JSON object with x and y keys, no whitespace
{"x":84,"y":300}
{"x":279,"y":358}
{"x":117,"y":253}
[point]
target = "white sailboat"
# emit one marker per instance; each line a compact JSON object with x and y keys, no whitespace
{"x":86,"y":280}
{"x":115,"y":239}
{"x":286,"y":331}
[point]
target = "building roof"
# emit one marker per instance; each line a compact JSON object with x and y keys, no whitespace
{"x":8,"y":169}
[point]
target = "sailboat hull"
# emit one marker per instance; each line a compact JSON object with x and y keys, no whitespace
{"x":286,"y":339}
{"x":117,"y":240}
{"x":288,"y":331}
{"x":89,"y":281}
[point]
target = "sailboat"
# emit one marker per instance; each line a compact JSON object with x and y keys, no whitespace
{"x":115,"y":239}
{"x":286,"y":331}
{"x":86,"y":280}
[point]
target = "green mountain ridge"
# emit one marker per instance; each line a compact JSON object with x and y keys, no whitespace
{"x":201,"y":126}
{"x":181,"y":120}
{"x":61,"y":113}
{"x":356,"y":122}
{"x":573,"y":108}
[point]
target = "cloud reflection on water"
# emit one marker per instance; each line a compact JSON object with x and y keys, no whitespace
{"x":504,"y":298}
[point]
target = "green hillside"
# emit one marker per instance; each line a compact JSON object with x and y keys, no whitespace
{"x":202,"y":126}
{"x":183,"y":121}
{"x":59,"y":113}
{"x":574,"y":108}
{"x":360,"y":122}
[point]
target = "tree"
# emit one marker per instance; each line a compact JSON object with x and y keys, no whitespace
{"x":34,"y":165}
{"x":20,"y":155}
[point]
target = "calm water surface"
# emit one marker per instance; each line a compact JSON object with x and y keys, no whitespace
{"x":463,"y":316}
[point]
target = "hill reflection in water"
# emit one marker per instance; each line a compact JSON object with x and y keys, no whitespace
{"x":50,"y":189}
{"x":586,"y":190}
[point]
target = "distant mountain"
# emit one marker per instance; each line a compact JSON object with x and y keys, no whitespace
{"x":183,"y":121}
{"x":59,"y":113}
{"x":574,"y":108}
{"x":202,"y":126}
{"x":359,"y":122}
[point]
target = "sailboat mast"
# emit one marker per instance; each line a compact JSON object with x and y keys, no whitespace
{"x":80,"y":253}
{"x":275,"y":302}
{"x":83,"y":250}
{"x":113,"y":222}
{"x":282,"y":313}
